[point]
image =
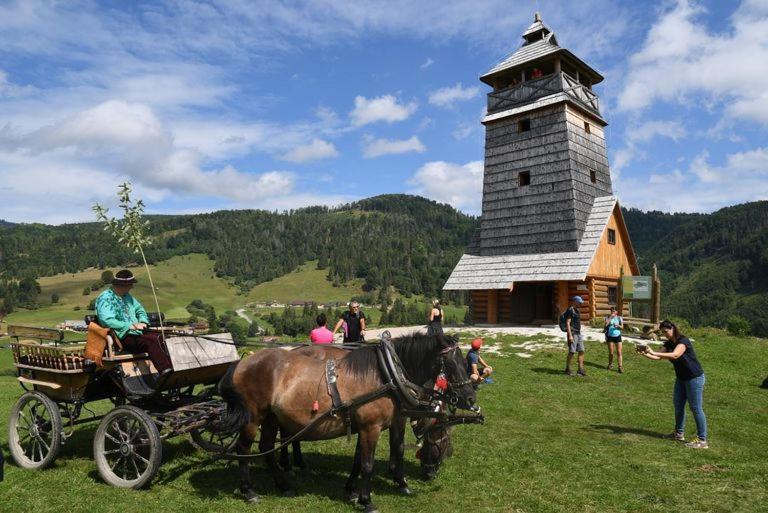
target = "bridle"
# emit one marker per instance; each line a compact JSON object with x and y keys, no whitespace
{"x":451,"y":394}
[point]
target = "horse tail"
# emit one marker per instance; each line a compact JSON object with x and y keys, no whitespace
{"x":237,"y":415}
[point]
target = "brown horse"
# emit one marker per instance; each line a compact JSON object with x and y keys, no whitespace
{"x":275,"y":388}
{"x":436,"y":441}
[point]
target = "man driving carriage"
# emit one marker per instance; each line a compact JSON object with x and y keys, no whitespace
{"x":118,"y":310}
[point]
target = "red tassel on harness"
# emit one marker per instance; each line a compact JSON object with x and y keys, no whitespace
{"x":441,"y":383}
{"x":315,"y":406}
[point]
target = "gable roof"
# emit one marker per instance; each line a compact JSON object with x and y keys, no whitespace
{"x":500,"y":272}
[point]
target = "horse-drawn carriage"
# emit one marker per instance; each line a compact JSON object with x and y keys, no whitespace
{"x":60,"y":382}
{"x":376,"y":392}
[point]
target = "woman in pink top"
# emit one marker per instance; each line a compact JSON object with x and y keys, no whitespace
{"x":321,"y":334}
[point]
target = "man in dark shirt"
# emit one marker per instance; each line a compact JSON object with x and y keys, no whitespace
{"x":573,"y":336}
{"x":354,"y":319}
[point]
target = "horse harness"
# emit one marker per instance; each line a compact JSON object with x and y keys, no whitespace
{"x":407,"y":393}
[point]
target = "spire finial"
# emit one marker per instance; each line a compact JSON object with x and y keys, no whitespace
{"x":537,"y":17}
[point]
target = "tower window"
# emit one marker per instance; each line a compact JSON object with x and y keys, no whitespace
{"x":611,"y":236}
{"x":587,"y":128}
{"x":524,"y":178}
{"x":593,"y":176}
{"x":523,"y":125}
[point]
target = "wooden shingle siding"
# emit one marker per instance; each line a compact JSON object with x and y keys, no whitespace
{"x":535,"y":218}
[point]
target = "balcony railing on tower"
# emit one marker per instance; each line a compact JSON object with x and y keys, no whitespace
{"x":547,"y":85}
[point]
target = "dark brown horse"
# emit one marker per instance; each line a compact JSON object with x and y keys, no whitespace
{"x":276,"y":388}
{"x":436,"y":440}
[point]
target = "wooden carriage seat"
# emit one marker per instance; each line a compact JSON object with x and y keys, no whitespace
{"x":113,"y":352}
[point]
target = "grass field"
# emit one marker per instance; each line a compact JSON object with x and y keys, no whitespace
{"x":306,"y":283}
{"x":550,"y":444}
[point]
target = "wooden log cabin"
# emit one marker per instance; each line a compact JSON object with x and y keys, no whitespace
{"x":550,"y":227}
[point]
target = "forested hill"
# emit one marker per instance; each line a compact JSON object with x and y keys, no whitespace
{"x":713,"y":266}
{"x":406,"y":241}
{"x":5,"y":224}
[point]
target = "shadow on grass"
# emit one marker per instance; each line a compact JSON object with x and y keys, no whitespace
{"x":326,"y":477}
{"x":621,"y":430}
{"x":546,"y":370}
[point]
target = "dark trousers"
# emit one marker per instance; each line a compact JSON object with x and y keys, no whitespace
{"x":151,"y":343}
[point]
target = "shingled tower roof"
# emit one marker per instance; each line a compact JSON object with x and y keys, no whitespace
{"x":538,"y":42}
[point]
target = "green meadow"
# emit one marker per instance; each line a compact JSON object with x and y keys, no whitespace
{"x":551,"y":443}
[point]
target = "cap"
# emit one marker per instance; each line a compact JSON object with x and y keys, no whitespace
{"x":577,"y":299}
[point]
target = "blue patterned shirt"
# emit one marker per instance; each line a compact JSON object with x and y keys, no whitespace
{"x":119,"y":313}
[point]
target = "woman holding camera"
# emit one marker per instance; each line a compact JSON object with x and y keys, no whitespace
{"x":689,"y":382}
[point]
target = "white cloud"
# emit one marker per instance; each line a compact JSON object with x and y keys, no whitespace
{"x":429,"y":62}
{"x":378,"y":147}
{"x":682,"y":61}
{"x":464,"y":130}
{"x":703,"y":187}
{"x":447,"y":97}
{"x":316,"y":150}
{"x":638,"y":135}
{"x":382,"y":108}
{"x":115,"y":141}
{"x":10,"y":90}
{"x":459,"y":185}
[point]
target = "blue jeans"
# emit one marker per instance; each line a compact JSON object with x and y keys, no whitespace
{"x":691,"y":390}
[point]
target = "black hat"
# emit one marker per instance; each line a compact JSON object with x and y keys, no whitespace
{"x":123,"y":277}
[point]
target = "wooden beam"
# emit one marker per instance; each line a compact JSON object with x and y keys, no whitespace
{"x":655,"y":296}
{"x":38,"y":333}
{"x":620,"y":292}
{"x":493,"y":307}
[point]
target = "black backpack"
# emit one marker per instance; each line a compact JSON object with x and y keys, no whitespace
{"x":562,"y":321}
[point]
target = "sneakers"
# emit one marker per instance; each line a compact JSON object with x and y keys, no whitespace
{"x":697,"y":443}
{"x":610,"y":366}
{"x":568,"y":372}
{"x":581,"y":373}
{"x":676,"y":436}
{"x":621,"y":370}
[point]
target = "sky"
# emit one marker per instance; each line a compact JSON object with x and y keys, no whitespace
{"x":229,"y":104}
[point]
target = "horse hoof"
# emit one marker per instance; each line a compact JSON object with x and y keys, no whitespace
{"x":351,"y":496}
{"x":404,"y":490}
{"x":371,"y":508}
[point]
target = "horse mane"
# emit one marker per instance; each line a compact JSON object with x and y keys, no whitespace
{"x":412,"y":350}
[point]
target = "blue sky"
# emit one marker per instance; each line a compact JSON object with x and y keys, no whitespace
{"x":277,"y":105}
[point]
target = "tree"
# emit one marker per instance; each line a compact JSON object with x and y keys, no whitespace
{"x":28,"y":291}
{"x":253,"y":329}
{"x":130,"y":231}
{"x":107,"y":277}
{"x":87,"y":291}
{"x":238,"y":331}
{"x":54,"y":298}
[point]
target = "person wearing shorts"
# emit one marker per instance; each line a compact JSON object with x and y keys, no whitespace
{"x":574,"y":339}
{"x":613,"y":326}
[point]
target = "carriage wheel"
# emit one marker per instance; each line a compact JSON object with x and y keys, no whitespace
{"x":127,"y":447}
{"x":34,"y":431}
{"x":213,"y":442}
